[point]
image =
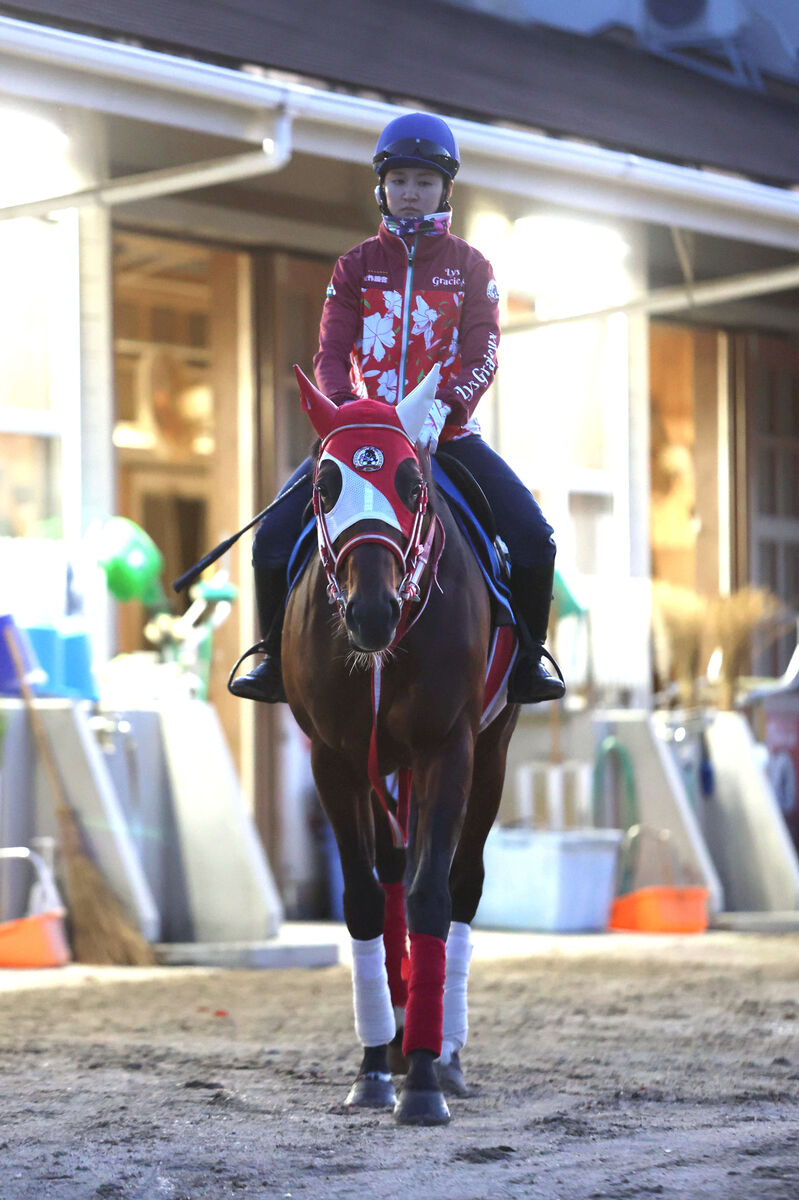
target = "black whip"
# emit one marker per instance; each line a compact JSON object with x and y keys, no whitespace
{"x":188,"y":577}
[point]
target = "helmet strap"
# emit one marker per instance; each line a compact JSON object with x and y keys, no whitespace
{"x":431,"y":225}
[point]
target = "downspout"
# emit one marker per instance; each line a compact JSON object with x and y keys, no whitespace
{"x":275,"y":152}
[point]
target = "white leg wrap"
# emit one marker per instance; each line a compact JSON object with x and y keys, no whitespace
{"x":374,"y":1015}
{"x":399,"y":1017}
{"x":456,"y":1014}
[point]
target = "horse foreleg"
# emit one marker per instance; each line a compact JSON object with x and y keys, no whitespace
{"x":390,"y":862}
{"x":441,"y":785}
{"x":466,"y":885}
{"x":345,"y":799}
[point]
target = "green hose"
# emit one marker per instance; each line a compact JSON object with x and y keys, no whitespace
{"x":629,"y":808}
{"x":628,"y":812}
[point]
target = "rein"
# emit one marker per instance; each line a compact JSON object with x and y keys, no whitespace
{"x":414,"y":560}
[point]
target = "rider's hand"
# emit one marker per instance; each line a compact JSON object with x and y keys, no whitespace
{"x":433,"y":424}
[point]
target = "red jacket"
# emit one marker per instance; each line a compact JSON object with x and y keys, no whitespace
{"x":393,"y":312}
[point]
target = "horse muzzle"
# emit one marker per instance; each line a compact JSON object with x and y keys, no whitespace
{"x":372,"y":621}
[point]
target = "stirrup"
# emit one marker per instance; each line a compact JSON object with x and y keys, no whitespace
{"x":257,"y":648}
{"x":545,"y":654}
{"x":533,"y":666}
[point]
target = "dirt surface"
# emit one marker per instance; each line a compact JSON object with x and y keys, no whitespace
{"x":645,"y":1069}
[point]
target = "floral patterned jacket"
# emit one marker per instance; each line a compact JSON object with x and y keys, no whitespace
{"x":393,"y":309}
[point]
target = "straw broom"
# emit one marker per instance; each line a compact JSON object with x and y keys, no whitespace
{"x":679,"y":620}
{"x":100,"y":931}
{"x":733,"y":621}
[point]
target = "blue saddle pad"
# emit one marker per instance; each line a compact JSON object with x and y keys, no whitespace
{"x":483,"y":548}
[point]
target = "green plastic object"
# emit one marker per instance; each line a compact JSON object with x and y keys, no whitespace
{"x":628,"y":810}
{"x":215,"y":593}
{"x":611,"y":746}
{"x":132,"y":562}
{"x":566,"y":604}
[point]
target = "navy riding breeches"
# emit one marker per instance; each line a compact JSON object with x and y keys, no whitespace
{"x":520,"y":522}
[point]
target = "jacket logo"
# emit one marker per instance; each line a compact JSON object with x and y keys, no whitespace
{"x":375,"y":278}
{"x":492,"y":291}
{"x":481,"y":376}
{"x":368,"y":458}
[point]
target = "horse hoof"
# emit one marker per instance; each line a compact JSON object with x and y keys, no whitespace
{"x":421,"y":1108}
{"x":374,"y":1090}
{"x":397,"y":1062}
{"x":450,"y":1077}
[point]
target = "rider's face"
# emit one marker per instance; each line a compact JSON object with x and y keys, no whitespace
{"x":413,"y":191}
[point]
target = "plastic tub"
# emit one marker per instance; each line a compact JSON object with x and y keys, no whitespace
{"x":559,"y":881}
{"x":37,"y":941}
{"x":661,"y":910}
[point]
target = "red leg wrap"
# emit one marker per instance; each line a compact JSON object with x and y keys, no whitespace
{"x":424,"y":1015}
{"x":395,"y":938}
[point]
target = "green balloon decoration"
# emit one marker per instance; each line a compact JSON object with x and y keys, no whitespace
{"x":132,"y":562}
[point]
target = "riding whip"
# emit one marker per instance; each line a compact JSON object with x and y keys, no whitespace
{"x":188,"y":577}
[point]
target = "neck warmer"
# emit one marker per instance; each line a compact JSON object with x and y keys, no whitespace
{"x":433,"y":225}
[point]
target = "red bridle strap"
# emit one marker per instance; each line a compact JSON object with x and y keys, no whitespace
{"x":399,"y":824}
{"x":414,"y":560}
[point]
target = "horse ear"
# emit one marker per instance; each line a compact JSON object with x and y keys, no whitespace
{"x":413,"y":410}
{"x":320,"y":410}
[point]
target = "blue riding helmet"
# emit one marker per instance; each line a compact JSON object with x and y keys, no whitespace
{"x":417,"y":140}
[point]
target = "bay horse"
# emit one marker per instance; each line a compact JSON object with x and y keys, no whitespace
{"x":394,"y":682}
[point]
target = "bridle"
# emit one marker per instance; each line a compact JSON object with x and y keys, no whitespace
{"x":422,"y":548}
{"x":413,"y":559}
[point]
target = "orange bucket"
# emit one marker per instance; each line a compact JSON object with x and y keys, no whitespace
{"x":39,"y":939}
{"x":661,"y":910}
{"x":36,"y":941}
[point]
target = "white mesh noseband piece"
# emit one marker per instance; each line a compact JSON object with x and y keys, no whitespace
{"x":359,"y":500}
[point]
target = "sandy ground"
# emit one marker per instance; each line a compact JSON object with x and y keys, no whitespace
{"x":602,"y":1068}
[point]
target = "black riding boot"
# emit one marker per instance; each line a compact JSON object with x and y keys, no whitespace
{"x":265,"y":682}
{"x":531,"y":591}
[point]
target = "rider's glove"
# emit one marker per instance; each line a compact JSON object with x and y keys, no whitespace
{"x":433,"y":424}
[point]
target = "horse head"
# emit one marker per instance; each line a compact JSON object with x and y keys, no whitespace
{"x":370,"y":498}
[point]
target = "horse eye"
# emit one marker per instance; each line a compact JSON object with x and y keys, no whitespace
{"x":414,"y":493}
{"x":328,"y":486}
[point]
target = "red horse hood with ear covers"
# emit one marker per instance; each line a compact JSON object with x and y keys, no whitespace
{"x":409,"y":415}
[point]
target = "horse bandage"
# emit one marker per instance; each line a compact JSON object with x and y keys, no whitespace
{"x":395,"y":936}
{"x":424,"y":1013}
{"x":374,"y":1013}
{"x":456,"y":1013}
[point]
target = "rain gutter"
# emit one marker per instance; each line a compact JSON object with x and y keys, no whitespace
{"x":112,"y":77}
{"x":679,"y":298}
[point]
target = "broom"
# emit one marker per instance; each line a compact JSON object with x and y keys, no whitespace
{"x":100,"y":931}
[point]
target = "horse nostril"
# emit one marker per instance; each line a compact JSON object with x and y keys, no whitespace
{"x":395,"y":609}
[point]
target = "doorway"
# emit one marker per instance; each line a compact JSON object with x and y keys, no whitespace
{"x":183,"y":424}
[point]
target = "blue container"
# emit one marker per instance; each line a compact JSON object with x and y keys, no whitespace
{"x":9,"y":685}
{"x":48,"y":647}
{"x":77,"y":655}
{"x":65,"y":653}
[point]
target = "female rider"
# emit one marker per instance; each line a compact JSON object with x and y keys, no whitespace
{"x":399,"y":302}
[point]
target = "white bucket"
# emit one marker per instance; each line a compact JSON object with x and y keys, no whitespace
{"x":558,"y":881}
